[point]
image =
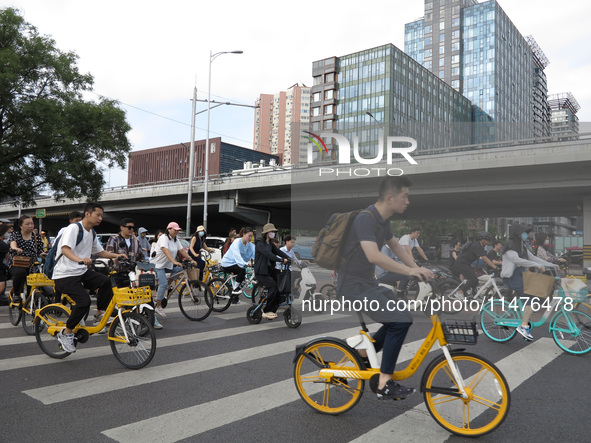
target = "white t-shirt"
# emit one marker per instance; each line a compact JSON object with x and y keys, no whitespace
{"x":161,"y":261}
{"x":65,"y":267}
{"x":406,"y":240}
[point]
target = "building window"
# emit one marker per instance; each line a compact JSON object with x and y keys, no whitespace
{"x":328,"y":110}
{"x":327,"y":124}
{"x":329,"y":77}
{"x":316,"y":97}
{"x":315,"y":112}
{"x":328,"y":95}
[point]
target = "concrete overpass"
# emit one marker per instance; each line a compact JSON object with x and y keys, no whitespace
{"x":540,"y":179}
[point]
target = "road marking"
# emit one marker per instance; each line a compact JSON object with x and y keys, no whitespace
{"x":417,"y":425}
{"x":182,"y":424}
{"x":42,"y":359}
{"x":106,"y":383}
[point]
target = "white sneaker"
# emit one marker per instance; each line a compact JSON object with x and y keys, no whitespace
{"x":66,"y":341}
{"x":160,"y":311}
{"x":157,"y":324}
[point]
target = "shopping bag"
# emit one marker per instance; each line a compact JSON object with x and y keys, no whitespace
{"x":537,"y":285}
{"x":193,"y":274}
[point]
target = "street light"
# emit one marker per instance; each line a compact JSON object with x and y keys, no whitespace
{"x":192,"y":148}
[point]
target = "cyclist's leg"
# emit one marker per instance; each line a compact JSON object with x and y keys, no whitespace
{"x":73,"y":287}
{"x":162,"y":287}
{"x":19,"y":277}
{"x":390,"y":337}
{"x":96,"y":281}
{"x":272,"y":299}
{"x":200,"y":266}
{"x":470,"y":275}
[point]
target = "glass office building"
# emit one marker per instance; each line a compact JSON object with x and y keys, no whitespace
{"x":384,"y":91}
{"x":475,"y":48}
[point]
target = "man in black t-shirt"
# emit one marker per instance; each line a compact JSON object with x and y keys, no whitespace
{"x":494,"y":255}
{"x":470,"y":253}
{"x":356,"y":278}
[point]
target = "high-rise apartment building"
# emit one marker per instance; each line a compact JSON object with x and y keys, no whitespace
{"x":276,"y":116}
{"x":384,"y":91}
{"x":564,"y":108}
{"x":475,"y":48}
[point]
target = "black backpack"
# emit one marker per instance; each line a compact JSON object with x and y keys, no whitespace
{"x":51,"y":260}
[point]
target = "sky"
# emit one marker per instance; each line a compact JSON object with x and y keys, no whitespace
{"x":149,"y":55}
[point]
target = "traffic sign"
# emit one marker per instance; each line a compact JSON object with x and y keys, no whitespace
{"x":40,"y":213}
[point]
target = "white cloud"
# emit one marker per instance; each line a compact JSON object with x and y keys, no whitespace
{"x":150,"y":54}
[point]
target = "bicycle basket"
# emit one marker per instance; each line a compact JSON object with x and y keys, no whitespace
{"x":215,"y":269}
{"x":575,"y":289}
{"x":39,"y":280}
{"x":460,"y":332}
{"x":132,"y":296}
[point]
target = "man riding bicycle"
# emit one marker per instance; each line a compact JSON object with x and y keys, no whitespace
{"x":241,"y":251}
{"x":369,"y":232}
{"x":72,"y":276}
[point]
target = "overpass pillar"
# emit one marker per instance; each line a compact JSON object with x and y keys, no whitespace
{"x":587,"y":231}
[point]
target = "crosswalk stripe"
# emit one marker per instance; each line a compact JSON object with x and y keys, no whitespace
{"x":516,"y":368}
{"x":42,"y":359}
{"x":182,"y":424}
{"x":84,"y":388}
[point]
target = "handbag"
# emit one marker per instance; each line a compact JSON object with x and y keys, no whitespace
{"x":537,"y":285}
{"x":284,"y":282}
{"x":21,"y":261}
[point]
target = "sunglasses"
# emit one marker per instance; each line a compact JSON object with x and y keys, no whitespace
{"x":129,"y":227}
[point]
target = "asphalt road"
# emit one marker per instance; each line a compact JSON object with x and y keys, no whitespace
{"x":224,"y":379}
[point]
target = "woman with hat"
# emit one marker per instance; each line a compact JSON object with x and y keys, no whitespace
{"x":265,"y":257}
{"x":197,"y":244}
{"x":165,"y":261}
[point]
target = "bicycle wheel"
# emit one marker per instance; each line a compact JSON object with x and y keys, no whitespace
{"x":254,"y":314}
{"x":292,"y":317}
{"x":39,"y":300}
{"x":221,"y":294}
{"x":328,"y":291}
{"x":198,"y":304}
{"x":51,"y":315}
{"x":139,"y":348}
{"x":571,"y":331}
{"x":488,"y":399}
{"x":494,"y":311}
{"x":328,"y":396}
{"x":14,"y":310}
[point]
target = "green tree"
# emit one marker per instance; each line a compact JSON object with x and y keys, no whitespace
{"x":51,"y":138}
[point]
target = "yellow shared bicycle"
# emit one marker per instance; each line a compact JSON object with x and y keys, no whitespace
{"x":132,"y":338}
{"x":465,"y":393}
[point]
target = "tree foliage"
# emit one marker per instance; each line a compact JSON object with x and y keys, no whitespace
{"x":51,"y":138}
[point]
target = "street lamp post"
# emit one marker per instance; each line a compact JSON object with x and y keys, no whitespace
{"x":191,"y":164}
{"x":212,"y":57}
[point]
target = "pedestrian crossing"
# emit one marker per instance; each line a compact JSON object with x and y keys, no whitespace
{"x":198,"y":419}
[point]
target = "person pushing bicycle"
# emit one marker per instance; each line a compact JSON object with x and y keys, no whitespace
{"x":72,"y":276}
{"x":369,"y":232}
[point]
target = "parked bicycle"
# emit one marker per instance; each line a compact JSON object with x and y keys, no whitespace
{"x":570,"y":327}
{"x":466,"y":394}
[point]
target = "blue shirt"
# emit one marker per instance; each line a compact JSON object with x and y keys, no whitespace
{"x":238,"y":254}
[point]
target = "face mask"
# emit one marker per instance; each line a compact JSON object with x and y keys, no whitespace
{"x":547,"y":242}
{"x":271,"y":235}
{"x":201,"y":233}
{"x":524,"y":236}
